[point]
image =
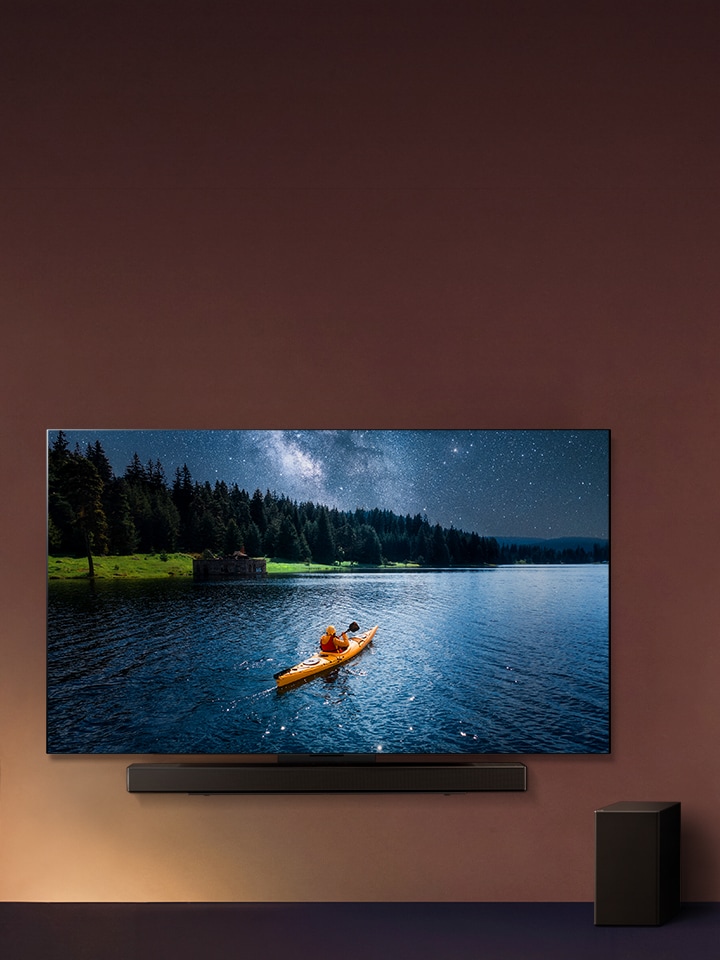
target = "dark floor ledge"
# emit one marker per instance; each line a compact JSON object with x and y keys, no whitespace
{"x":313,"y":931}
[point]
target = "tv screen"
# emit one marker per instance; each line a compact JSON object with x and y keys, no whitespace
{"x":194,"y":577}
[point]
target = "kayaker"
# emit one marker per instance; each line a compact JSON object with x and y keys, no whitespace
{"x":330,"y":642}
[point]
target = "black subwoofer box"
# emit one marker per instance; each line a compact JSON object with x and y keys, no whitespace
{"x":637,"y":863}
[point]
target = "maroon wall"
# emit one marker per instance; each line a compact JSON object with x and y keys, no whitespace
{"x":401,"y":214}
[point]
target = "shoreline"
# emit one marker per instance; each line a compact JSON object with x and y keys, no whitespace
{"x":179,"y":565}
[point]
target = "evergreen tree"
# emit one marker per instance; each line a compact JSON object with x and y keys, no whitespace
{"x":166,"y":522}
{"x":310,"y":534}
{"x":257,"y":511}
{"x":324,"y":549}
{"x":440,"y":555}
{"x":82,"y":490}
{"x":141,"y":513}
{"x":135,"y":471}
{"x":60,"y":445}
{"x":122,"y":533}
{"x":269,"y":540}
{"x":240,"y":507}
{"x":346,"y":540}
{"x":208,"y":533}
{"x":305,"y":552}
{"x":155,"y":474}
{"x":253,"y":541}
{"x":368,"y":546}
{"x":423,"y":545}
{"x":232,"y":540}
{"x":96,"y":456}
{"x":287,"y":544}
{"x":182,"y":493}
{"x":457,"y":547}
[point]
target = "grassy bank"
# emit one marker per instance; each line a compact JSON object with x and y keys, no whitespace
{"x":158,"y":565}
{"x":136,"y":567}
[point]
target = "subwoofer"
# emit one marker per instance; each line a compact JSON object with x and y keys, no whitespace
{"x":637,"y":863}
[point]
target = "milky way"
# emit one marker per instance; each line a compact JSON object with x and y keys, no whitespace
{"x":504,"y":483}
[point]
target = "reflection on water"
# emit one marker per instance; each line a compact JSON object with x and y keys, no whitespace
{"x":505,"y":660}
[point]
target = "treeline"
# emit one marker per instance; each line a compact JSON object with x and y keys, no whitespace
{"x":93,"y":511}
{"x":596,"y":552}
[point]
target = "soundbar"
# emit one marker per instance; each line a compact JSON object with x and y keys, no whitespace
{"x":212,"y":778}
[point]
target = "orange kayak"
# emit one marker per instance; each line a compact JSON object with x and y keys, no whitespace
{"x":320,"y":662}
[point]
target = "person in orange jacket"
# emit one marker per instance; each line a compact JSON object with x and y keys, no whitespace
{"x":332,"y":642}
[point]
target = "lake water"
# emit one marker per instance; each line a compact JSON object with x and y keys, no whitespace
{"x":505,"y":660}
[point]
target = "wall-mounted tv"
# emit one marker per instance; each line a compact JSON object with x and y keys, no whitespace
{"x":465,"y":573}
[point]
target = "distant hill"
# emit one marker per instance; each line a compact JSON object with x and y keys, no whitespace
{"x":553,"y":549}
{"x":554,"y":543}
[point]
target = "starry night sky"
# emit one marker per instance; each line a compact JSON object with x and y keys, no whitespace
{"x":503,"y":483}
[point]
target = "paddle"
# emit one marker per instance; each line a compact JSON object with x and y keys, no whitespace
{"x":353,"y":627}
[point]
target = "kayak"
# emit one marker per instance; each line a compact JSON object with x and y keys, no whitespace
{"x":320,"y":662}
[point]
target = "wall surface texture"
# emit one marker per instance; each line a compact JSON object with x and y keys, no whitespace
{"x":404,"y":214}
